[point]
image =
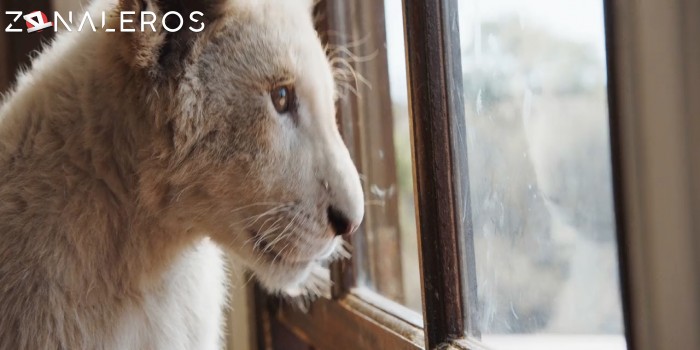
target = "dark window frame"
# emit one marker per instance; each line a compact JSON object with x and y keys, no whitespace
{"x":441,"y":175}
{"x":441,"y":178}
{"x":435,"y":111}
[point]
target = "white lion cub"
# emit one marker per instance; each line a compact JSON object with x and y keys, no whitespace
{"x":127,"y":159}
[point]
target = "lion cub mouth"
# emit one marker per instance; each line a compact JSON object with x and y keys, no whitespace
{"x":266,"y":250}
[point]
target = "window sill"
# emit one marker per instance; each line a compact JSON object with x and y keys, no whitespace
{"x":546,"y":342}
{"x":350,"y":323}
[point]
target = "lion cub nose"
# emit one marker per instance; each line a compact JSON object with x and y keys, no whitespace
{"x":340,"y":222}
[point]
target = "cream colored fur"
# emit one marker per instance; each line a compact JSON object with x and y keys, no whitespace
{"x":128,"y":159}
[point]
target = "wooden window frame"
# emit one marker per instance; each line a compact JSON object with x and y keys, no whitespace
{"x":435,"y":111}
{"x":441,"y":174}
{"x":660,"y":305}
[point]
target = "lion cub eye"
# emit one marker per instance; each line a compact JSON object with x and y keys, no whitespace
{"x":283,"y":98}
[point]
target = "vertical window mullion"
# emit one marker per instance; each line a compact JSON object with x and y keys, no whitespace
{"x":355,"y":32}
{"x":460,"y":168}
{"x":437,"y":117}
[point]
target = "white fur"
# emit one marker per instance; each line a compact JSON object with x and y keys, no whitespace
{"x":184,"y":312}
{"x":117,"y":178}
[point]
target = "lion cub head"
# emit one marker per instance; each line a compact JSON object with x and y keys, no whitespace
{"x":254,"y":157}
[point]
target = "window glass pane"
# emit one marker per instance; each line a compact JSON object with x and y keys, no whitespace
{"x":538,"y":150}
{"x":386,"y":248}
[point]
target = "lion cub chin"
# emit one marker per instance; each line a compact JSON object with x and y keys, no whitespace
{"x":130,"y":161}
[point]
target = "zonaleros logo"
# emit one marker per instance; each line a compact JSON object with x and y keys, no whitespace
{"x":171,"y":21}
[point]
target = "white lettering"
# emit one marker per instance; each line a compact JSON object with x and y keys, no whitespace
{"x":124,"y":20}
{"x":195,"y":20}
{"x":151,"y":23}
{"x":104,"y":23}
{"x":9,"y":28}
{"x":165,"y":22}
{"x":57,"y":18}
{"x":88,"y":18}
{"x":37,"y":21}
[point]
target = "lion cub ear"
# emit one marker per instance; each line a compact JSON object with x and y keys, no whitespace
{"x":159,"y":35}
